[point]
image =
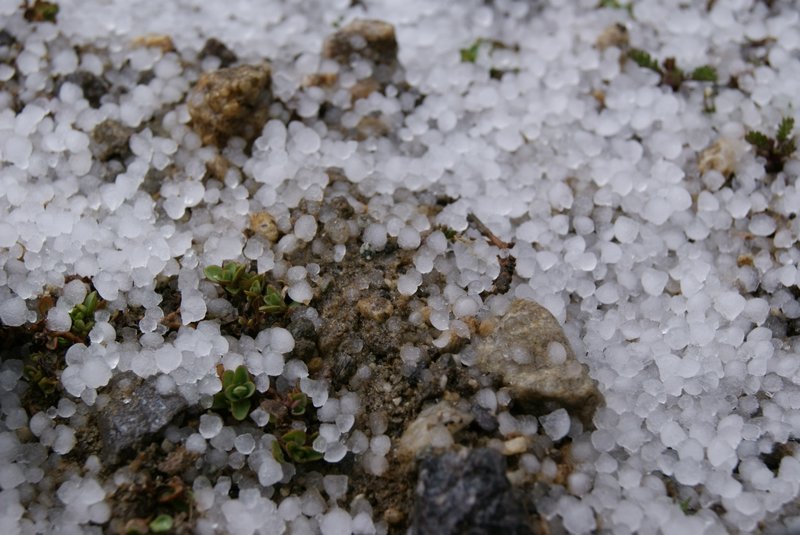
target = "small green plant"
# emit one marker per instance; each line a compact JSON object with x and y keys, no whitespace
{"x":249,"y":293}
{"x":82,"y":316}
{"x":470,"y":54}
{"x":40,"y":11}
{"x":671,"y":75}
{"x":775,"y":151}
{"x":237,"y":389}
{"x":161,"y":524}
{"x":296,"y":445}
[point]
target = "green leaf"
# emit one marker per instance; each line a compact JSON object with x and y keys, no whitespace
{"x":470,"y":54}
{"x":227,"y":379}
{"x":785,"y":129}
{"x":220,"y":401}
{"x":161,"y":523}
{"x":295,"y":436}
{"x":241,"y":376}
{"x":213,"y":273}
{"x":302,"y":454}
{"x":91,"y":302}
{"x":706,"y":73}
{"x":643,"y":59}
{"x":277,"y":452}
{"x":240,"y":409}
{"x":757,"y":139}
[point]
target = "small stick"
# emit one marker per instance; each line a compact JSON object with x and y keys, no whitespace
{"x":488,"y":234}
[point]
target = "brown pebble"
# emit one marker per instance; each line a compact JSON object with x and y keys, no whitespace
{"x":231,"y":102}
{"x":263,"y":224}
{"x":164,"y":42}
{"x":392,"y":515}
{"x":218,"y":167}
{"x":375,"y":308}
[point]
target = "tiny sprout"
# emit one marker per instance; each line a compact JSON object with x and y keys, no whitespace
{"x":82,"y":315}
{"x":470,"y":54}
{"x":237,"y":389}
{"x":774,"y":150}
{"x":161,"y":523}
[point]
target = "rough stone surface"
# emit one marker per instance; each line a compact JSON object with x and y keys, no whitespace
{"x":110,"y":140}
{"x":373,"y":40}
{"x":467,"y":492}
{"x":720,"y":156}
{"x":537,"y":386}
{"x":231,"y":102}
{"x":136,"y":410}
{"x":433,"y":428}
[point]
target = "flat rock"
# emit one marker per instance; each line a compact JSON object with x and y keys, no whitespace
{"x":231,"y":102}
{"x":467,"y":492}
{"x":516,"y":353}
{"x":136,"y":411}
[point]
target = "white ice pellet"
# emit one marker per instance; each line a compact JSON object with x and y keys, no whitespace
{"x":210,"y":425}
{"x":380,"y":445}
{"x":335,"y":486}
{"x":305,"y":228}
{"x":408,"y":238}
{"x":730,"y":304}
{"x":307,"y":141}
{"x":65,"y":440}
{"x":654,"y":281}
{"x":8,"y":234}
{"x":58,"y":319}
{"x":336,"y":522}
{"x":556,"y":424}
{"x":13,"y":311}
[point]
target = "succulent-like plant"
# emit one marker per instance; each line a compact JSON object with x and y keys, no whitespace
{"x":237,"y":389}
{"x":249,"y":293}
{"x":82,"y":315}
{"x":296,"y":445}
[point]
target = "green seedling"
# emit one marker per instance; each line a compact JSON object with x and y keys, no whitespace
{"x":775,"y":151}
{"x":249,"y":293}
{"x":296,"y":445}
{"x":82,"y":316}
{"x":470,"y":54}
{"x":161,"y":524}
{"x":671,"y":75}
{"x":237,"y":389}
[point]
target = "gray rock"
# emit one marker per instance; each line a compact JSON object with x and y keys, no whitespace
{"x":231,"y":102}
{"x":136,"y":412}
{"x":516,"y":354}
{"x":110,"y":140}
{"x":467,"y":492}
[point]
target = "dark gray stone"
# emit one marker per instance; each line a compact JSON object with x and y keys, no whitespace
{"x":136,"y":412}
{"x":110,"y":140}
{"x":467,"y":492}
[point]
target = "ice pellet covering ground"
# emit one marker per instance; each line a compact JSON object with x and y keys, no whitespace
{"x":616,"y":232}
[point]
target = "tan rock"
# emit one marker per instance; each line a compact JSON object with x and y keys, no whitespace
{"x":433,"y":428}
{"x":231,"y":102}
{"x":537,"y":385}
{"x":263,"y":224}
{"x":720,"y":156}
